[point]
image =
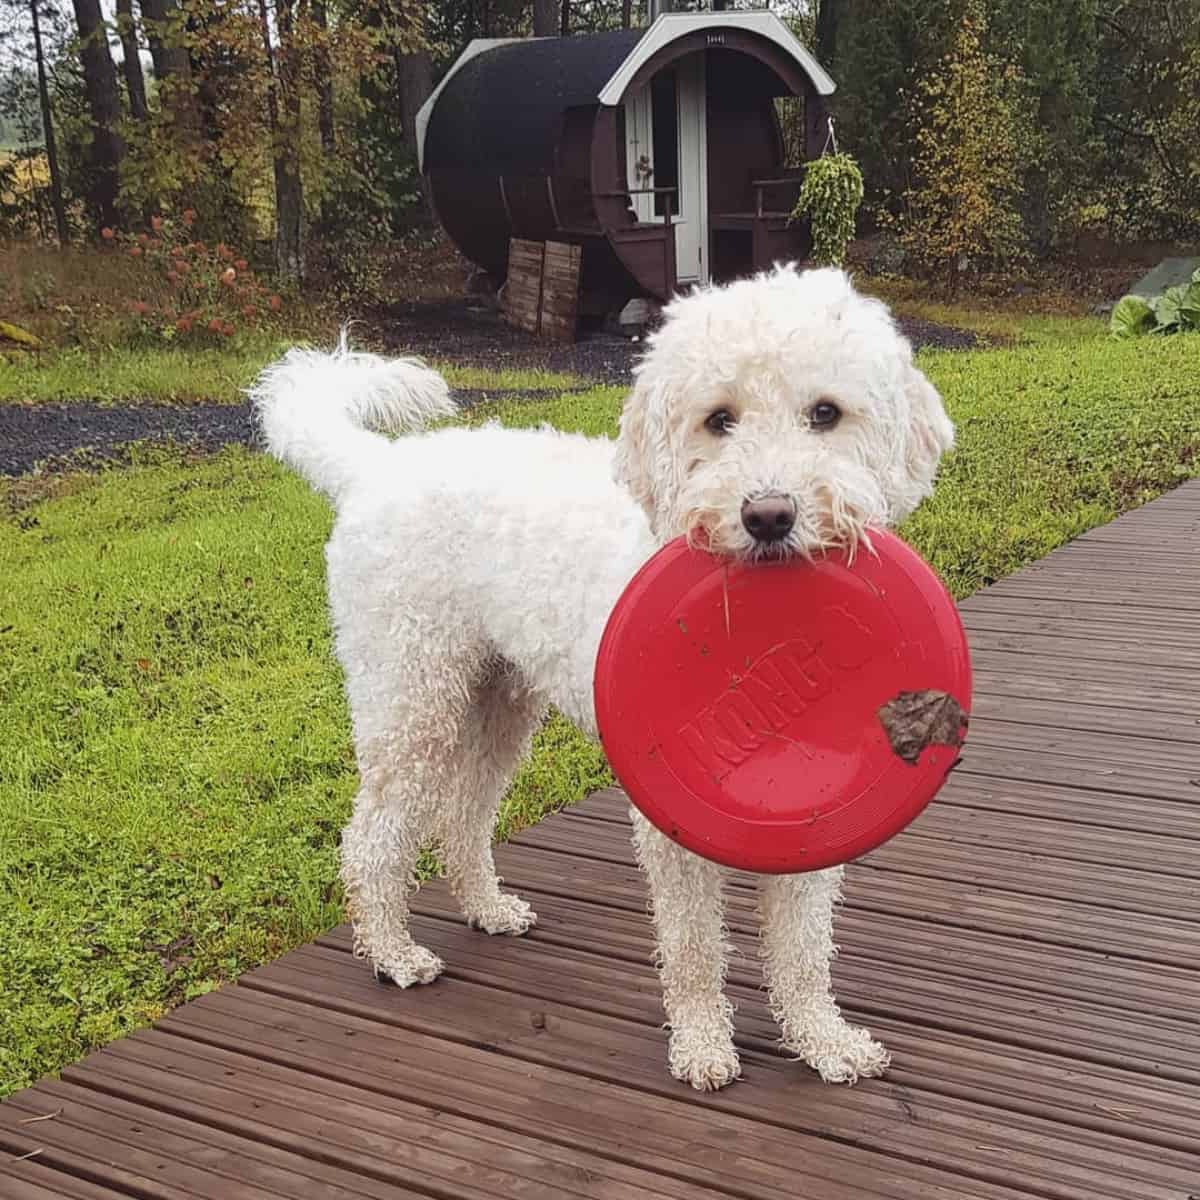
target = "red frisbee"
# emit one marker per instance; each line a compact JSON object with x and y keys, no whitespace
{"x":784,"y":716}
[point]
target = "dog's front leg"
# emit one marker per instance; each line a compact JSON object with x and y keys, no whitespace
{"x":685,"y":894}
{"x":797,"y":950}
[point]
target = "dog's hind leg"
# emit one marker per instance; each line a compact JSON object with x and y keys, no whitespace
{"x":797,"y":951}
{"x":687,"y":907}
{"x":380,"y":846}
{"x":496,"y":734}
{"x":409,"y":707}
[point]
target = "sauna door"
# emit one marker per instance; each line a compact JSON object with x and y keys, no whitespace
{"x":666,"y":147}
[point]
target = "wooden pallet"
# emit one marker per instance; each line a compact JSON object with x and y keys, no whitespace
{"x":523,"y":288}
{"x":541,"y":295}
{"x":1029,"y":949}
{"x":560,"y":290}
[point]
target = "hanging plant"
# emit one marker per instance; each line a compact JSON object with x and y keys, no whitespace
{"x":829,"y":197}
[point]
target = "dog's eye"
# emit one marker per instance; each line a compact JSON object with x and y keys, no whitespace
{"x":824,"y":415}
{"x":721,"y":422}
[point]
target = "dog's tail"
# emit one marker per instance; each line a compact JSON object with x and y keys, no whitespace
{"x":315,"y":410}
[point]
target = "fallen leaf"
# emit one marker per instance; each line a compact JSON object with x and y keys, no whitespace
{"x":14,"y":333}
{"x":915,"y":720}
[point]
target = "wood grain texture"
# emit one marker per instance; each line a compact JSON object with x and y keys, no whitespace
{"x":560,"y":291}
{"x":523,"y":289}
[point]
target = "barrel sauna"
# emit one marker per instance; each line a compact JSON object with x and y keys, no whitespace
{"x":658,"y":151}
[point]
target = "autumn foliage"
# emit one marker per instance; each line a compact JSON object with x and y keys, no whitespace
{"x":191,"y":289}
{"x":961,"y":215}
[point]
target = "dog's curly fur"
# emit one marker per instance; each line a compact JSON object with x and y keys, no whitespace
{"x":471,"y":574}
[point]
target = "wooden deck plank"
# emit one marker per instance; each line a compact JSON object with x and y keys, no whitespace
{"x":1129,"y":650}
{"x":1149,"y":718}
{"x":131,"y":1148}
{"x":1074,"y":807}
{"x":1029,"y":949}
{"x":887,"y":917}
{"x":1078,"y":587}
{"x":1132,"y":617}
{"x":454,"y":1051}
{"x":1098,"y":1088}
{"x":1071,"y":629}
{"x":967,"y":826}
{"x":1021,"y":764}
{"x":926,"y":998}
{"x":28,"y":1180}
{"x":599,"y":1048}
{"x":1167,"y":759}
{"x":1065,"y":669}
{"x":174,"y":1067}
{"x":411,"y":1147}
{"x":959,"y":950}
{"x":1030,"y":875}
{"x":881,"y":1118}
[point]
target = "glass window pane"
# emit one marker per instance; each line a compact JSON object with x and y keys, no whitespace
{"x":665,"y":109}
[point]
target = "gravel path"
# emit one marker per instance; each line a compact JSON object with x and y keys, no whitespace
{"x":46,"y":433}
{"x":468,"y":336}
{"x":58,"y":436}
{"x":454,"y":332}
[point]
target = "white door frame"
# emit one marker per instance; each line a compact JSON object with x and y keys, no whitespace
{"x":691,"y":220}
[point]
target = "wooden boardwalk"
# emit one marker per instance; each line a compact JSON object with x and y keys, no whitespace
{"x":1030,"y":950}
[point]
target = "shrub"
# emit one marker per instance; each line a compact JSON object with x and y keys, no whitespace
{"x":193,"y":290}
{"x":973,"y":112}
{"x":1176,"y":310}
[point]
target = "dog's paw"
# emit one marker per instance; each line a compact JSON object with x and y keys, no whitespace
{"x":707,"y":1062}
{"x":844,"y":1055}
{"x":510,"y":914}
{"x":414,"y":965}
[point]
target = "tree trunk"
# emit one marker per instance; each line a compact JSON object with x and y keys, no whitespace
{"x":626,"y":13}
{"x":324,"y":76}
{"x":208,"y":64}
{"x":162,"y":22}
{"x":545,"y":18}
{"x":132,"y":65}
{"x":56,"y":192}
{"x":564,"y":27}
{"x":284,"y":85}
{"x":414,"y":74}
{"x":829,"y":14}
{"x":104,"y":107}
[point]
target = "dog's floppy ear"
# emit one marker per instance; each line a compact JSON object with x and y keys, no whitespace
{"x":930,"y":434}
{"x":643,"y":462}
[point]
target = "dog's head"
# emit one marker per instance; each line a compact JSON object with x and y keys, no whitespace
{"x":779,"y":415}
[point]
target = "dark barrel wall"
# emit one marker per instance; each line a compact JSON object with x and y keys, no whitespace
{"x":508,"y":120}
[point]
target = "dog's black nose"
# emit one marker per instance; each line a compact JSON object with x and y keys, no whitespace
{"x":769,"y":519}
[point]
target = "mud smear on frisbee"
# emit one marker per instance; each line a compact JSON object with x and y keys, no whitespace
{"x":915,"y":720}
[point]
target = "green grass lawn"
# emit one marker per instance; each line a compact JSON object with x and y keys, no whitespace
{"x":185,"y":375}
{"x":133,"y":374}
{"x":176,"y":762}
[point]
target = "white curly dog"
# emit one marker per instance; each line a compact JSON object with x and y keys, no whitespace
{"x":471,"y":573}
